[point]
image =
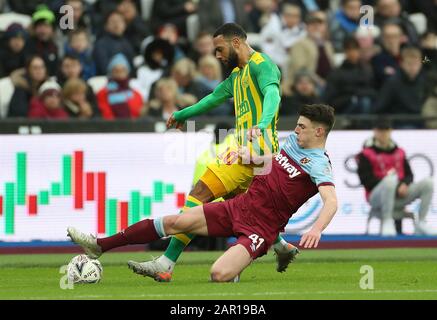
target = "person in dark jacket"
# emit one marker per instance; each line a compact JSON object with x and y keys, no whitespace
{"x":350,"y":88}
{"x":386,"y":175}
{"x":136,"y":29}
{"x":386,"y":63}
{"x":111,"y":43}
{"x":42,"y":40}
{"x":26,"y":83}
{"x":13,"y":54}
{"x":406,"y":92}
{"x":174,"y":12}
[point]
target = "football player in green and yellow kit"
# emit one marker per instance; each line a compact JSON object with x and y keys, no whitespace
{"x":254,"y":85}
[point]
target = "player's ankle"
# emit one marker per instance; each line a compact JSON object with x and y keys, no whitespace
{"x":166,"y":262}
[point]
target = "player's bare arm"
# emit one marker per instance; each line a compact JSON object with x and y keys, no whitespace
{"x":311,"y":238}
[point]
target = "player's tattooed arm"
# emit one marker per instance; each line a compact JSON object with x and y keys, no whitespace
{"x":311,"y":238}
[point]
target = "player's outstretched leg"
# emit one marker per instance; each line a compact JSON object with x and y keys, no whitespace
{"x":141,"y":232}
{"x":161,"y":269}
{"x":285,"y":253}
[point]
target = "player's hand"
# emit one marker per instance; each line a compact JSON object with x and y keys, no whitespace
{"x":310,"y":239}
{"x":253,"y":132}
{"x":173,"y":122}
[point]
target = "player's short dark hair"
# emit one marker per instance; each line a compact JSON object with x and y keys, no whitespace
{"x":230,"y":30}
{"x":320,"y":113}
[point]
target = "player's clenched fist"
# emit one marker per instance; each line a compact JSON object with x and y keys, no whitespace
{"x":173,"y":122}
{"x":310,"y":239}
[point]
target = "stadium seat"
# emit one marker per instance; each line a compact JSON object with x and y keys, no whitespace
{"x":6,"y":19}
{"x":146,"y":9}
{"x":6,"y":92}
{"x":97,"y":83}
{"x":420,"y":22}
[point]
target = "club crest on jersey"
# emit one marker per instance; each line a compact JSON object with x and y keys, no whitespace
{"x":305,"y":160}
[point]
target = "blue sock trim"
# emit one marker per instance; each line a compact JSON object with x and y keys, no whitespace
{"x":159,"y":227}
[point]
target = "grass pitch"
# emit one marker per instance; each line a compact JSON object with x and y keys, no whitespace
{"x":316,"y":274}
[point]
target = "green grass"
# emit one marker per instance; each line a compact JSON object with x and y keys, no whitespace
{"x":316,"y":274}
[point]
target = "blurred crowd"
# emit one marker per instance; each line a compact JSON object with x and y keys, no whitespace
{"x":149,"y":58}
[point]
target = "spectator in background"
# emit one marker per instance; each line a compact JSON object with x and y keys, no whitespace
{"x":71,"y":69}
{"x":79,"y":45}
{"x":386,"y":63}
{"x":350,"y":88}
{"x":406,"y":92}
{"x":190,"y":90}
{"x":174,"y":12}
{"x":76,"y":103}
{"x":345,"y":22}
{"x":158,"y":58}
{"x":308,"y":6}
{"x":203,"y":46}
{"x":136,"y":28}
{"x":170,"y":33}
{"x":215,"y":13}
{"x":366,"y":37}
{"x":12,"y":53}
{"x":48,"y":104}
{"x":304,"y":91}
{"x":386,"y":175}
{"x":278,"y":36}
{"x":314,"y":53}
{"x":111,"y":43}
{"x":42,"y":41}
{"x":118,"y":100}
{"x":166,"y":101}
{"x":26,"y":83}
{"x":262,"y":13}
{"x":391,"y":11}
{"x":210,"y":74}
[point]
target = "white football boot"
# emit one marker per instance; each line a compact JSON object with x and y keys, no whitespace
{"x":87,"y":242}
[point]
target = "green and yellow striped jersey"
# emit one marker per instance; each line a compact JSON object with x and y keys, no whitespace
{"x":247,"y":86}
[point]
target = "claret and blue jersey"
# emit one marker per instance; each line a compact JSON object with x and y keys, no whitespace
{"x":295,"y":176}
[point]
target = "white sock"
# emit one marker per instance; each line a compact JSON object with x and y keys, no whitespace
{"x":166,"y":262}
{"x":281,"y":245}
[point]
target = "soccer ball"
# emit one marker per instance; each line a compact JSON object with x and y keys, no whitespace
{"x":83,"y":269}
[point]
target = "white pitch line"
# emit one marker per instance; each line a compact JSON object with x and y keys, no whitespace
{"x":226,"y":294}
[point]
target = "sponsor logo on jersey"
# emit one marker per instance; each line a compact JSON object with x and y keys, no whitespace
{"x":283,"y":161}
{"x":305,"y":160}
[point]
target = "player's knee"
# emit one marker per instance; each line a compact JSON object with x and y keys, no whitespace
{"x":221,"y":274}
{"x":201,"y":192}
{"x":170,"y":224}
